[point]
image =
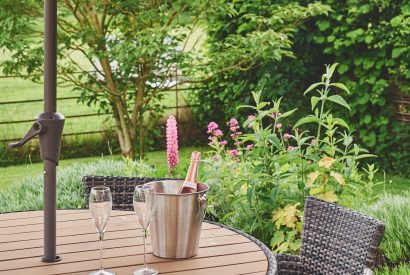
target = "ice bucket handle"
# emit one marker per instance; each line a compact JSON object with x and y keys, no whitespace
{"x":202,"y":201}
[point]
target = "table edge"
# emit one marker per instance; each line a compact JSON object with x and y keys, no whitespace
{"x":272,"y":264}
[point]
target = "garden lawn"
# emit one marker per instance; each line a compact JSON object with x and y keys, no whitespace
{"x":14,"y":89}
{"x":13,"y":174}
{"x":394,"y":184}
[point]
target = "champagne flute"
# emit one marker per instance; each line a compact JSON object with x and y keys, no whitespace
{"x":100,"y":205}
{"x":144,"y":207}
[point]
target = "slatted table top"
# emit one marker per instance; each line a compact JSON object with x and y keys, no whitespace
{"x":221,"y":251}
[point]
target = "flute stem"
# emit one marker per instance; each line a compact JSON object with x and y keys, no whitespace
{"x":101,"y":238}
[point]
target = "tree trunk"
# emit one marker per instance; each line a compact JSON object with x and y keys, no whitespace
{"x":122,"y":125}
{"x":137,"y":118}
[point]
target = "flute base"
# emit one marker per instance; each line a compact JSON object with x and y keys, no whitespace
{"x":101,"y":272}
{"x":145,"y":271}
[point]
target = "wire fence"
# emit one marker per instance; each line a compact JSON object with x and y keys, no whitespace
{"x":180,"y":104}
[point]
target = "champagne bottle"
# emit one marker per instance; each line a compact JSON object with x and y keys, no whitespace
{"x":190,"y":183}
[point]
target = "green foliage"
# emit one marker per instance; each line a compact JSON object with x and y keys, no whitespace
{"x":394,"y":212}
{"x":260,"y":185}
{"x":370,"y":40}
{"x":120,"y":55}
{"x":28,"y":193}
{"x":402,"y":269}
{"x":248,"y":36}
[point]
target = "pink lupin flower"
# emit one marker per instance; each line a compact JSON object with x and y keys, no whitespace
{"x":249,"y":147}
{"x":286,"y":135}
{"x":279,"y":125}
{"x":172,"y":143}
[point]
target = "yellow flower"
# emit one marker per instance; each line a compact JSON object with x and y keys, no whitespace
{"x":326,"y":162}
{"x":311,"y":178}
{"x":338,"y":177}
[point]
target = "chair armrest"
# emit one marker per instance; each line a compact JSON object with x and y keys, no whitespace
{"x":288,"y":264}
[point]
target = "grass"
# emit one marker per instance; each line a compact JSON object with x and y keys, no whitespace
{"x":25,"y":190}
{"x":394,"y":212}
{"x":19,"y":89}
{"x":403,"y":269}
{"x":14,"y":174}
{"x":13,"y":89}
{"x":394,"y":184}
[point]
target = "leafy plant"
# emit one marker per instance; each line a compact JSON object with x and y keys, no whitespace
{"x":261,"y":183}
{"x":370,"y":39}
{"x":258,"y":33}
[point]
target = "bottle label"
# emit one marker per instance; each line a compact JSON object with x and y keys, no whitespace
{"x":190,"y":184}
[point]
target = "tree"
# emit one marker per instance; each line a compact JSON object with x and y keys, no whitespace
{"x":255,"y":36}
{"x":122,"y":53}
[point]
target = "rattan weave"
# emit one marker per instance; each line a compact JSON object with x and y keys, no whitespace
{"x":122,"y":189}
{"x":335,"y":240}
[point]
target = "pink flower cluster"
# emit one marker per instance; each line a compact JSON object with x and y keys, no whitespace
{"x":233,"y":152}
{"x":215,"y":133}
{"x":172,"y":143}
{"x":251,"y":118}
{"x":234,"y":126}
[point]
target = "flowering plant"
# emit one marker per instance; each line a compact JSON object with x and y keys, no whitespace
{"x":261,"y":174}
{"x":172,"y":144}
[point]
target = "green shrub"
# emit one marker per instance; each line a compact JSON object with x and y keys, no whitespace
{"x":394,"y":211}
{"x":370,"y":40}
{"x":28,"y":194}
{"x":260,"y":183}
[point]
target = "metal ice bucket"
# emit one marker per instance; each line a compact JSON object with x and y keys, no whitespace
{"x":176,"y":225}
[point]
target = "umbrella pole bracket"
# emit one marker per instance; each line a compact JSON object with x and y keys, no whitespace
{"x":49,"y":128}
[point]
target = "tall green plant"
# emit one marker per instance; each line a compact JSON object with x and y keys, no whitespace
{"x":260,"y":183}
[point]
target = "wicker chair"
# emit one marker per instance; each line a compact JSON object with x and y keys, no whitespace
{"x":335,"y":240}
{"x":122,"y":189}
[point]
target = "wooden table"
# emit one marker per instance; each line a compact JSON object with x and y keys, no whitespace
{"x":221,"y":251}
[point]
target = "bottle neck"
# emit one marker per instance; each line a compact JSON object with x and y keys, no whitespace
{"x":192,"y":174}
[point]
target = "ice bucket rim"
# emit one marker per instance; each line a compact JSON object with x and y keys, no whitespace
{"x":206,"y":186}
